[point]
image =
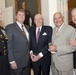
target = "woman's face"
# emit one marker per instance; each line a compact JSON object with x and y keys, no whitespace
{"x":24,"y":5}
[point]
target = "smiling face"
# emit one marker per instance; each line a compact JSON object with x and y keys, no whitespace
{"x":73,"y":13}
{"x":38,"y":20}
{"x":58,"y":19}
{"x":20,"y":17}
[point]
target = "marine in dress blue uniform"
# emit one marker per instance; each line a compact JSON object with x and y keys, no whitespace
{"x":4,"y":65}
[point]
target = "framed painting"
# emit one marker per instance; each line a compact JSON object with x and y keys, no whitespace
{"x":34,"y":6}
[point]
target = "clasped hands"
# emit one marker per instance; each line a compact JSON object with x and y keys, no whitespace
{"x":53,"y":48}
{"x":34,"y":57}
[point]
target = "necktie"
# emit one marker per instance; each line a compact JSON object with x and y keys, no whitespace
{"x":57,"y":30}
{"x":38,"y":34}
{"x":23,"y":30}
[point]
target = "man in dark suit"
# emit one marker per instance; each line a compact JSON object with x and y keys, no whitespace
{"x":18,"y":45}
{"x":40,"y":37}
{"x":4,"y":65}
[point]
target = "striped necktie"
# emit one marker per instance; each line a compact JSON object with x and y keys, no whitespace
{"x":23,"y":30}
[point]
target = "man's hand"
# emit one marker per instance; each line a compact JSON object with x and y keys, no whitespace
{"x":72,"y":42}
{"x":34,"y":58}
{"x":53,"y":48}
{"x":14,"y":65}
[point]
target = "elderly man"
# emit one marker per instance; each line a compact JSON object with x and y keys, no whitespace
{"x":73,"y":42}
{"x":62,"y":57}
{"x":40,"y":37}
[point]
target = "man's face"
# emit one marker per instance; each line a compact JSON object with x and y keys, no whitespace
{"x":58,"y":19}
{"x":74,"y":16}
{"x":20,"y":17}
{"x":38,"y":20}
{"x":0,"y":14}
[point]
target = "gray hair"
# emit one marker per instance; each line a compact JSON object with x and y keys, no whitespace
{"x":74,"y":9}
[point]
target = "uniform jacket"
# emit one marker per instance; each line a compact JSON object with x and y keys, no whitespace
{"x":3,"y":43}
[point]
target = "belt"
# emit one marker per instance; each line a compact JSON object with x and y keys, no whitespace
{"x":4,"y":53}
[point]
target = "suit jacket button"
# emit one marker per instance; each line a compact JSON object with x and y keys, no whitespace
{"x":0,"y":36}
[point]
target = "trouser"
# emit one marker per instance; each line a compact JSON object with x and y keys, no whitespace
{"x":74,"y":71}
{"x":21,"y":71}
{"x":55,"y":71}
{"x":4,"y":65}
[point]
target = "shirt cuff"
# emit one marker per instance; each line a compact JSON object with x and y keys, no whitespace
{"x":11,"y":62}
{"x":31,"y":51}
{"x":50,"y":44}
{"x":41,"y":55}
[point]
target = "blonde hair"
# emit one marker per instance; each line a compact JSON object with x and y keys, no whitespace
{"x":1,"y":22}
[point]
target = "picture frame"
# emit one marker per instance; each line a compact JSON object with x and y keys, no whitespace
{"x":18,"y":4}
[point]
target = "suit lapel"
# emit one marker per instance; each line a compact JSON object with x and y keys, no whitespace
{"x":35,"y":33}
{"x":19,"y":30}
{"x":60,"y":32}
{"x":42,"y":31}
